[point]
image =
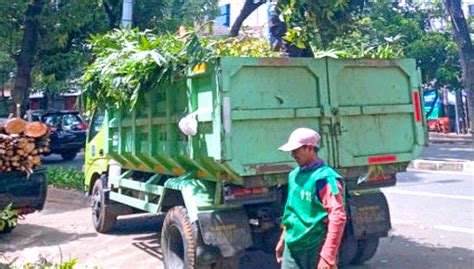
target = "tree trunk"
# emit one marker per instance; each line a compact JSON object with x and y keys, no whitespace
{"x":249,"y":7}
{"x":112,"y":13}
{"x":25,"y":59}
{"x":466,"y":51}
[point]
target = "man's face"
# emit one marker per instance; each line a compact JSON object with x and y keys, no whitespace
{"x":304,"y":155}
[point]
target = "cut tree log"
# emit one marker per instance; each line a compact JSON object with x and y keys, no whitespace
{"x":20,"y":152}
{"x":36,"y":129}
{"x":15,"y":126}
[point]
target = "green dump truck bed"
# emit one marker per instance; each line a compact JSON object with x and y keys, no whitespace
{"x":367,"y":111}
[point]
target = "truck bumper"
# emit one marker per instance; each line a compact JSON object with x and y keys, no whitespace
{"x":23,"y":192}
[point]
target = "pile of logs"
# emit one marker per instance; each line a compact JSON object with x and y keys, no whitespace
{"x":21,"y":144}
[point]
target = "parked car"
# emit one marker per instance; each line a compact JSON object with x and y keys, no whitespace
{"x":35,"y":115}
{"x":67,"y":131}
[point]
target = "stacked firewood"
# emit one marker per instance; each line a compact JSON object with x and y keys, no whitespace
{"x":21,"y":144}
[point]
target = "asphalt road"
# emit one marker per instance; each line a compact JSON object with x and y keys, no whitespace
{"x":462,"y":150}
{"x":433,"y":224}
{"x":57,"y":160}
{"x":432,"y":217}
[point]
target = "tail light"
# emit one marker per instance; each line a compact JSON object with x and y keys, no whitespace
{"x":82,"y":126}
{"x":249,"y":195}
{"x":417,"y":106}
{"x":382,"y":159}
{"x":380,"y":178}
{"x":247,"y":191}
{"x":52,"y":128}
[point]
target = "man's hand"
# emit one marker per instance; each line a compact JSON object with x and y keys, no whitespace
{"x":279,"y":250}
{"x":324,"y":265}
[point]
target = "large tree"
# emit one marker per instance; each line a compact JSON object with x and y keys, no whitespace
{"x":249,"y":7}
{"x":25,"y":57}
{"x":43,"y":38}
{"x":46,"y":40}
{"x":305,"y":23}
{"x":466,"y":51}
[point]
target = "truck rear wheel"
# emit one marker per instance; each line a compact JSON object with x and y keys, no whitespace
{"x":365,"y":250}
{"x":178,"y":242}
{"x":348,"y":251}
{"x":227,"y":263}
{"x":102,"y":217}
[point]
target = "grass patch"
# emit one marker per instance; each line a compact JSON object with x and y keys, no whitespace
{"x":65,"y":177}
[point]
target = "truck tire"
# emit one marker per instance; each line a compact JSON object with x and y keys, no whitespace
{"x":178,"y":240}
{"x":270,"y":240}
{"x":365,"y":250}
{"x":227,"y":263}
{"x":69,"y":155}
{"x":347,"y":251}
{"x":102,"y":217}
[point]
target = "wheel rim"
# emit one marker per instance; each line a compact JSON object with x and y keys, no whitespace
{"x":176,"y":248}
{"x":96,"y":206}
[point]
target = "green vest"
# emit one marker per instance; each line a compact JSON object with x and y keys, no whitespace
{"x":304,"y":216}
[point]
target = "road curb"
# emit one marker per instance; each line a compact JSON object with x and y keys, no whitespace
{"x":453,"y":166}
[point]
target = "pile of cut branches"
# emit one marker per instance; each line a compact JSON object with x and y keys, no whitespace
{"x":129,"y":62}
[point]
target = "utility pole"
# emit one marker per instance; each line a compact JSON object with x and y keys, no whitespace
{"x":127,"y":13}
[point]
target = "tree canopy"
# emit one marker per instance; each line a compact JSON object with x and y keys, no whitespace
{"x":44,"y":42}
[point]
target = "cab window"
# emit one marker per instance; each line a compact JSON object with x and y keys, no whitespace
{"x":96,"y":123}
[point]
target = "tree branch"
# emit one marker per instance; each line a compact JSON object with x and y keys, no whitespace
{"x":249,"y":7}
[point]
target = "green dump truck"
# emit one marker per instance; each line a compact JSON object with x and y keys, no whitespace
{"x":224,"y":187}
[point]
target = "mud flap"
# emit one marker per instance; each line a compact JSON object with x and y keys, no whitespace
{"x":370,"y":216}
{"x":227,"y":230}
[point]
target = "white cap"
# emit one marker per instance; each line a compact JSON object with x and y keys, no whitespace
{"x":301,"y":137}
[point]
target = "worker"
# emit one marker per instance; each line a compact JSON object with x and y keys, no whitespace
{"x":314,"y":215}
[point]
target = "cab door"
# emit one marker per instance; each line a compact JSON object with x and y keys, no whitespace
{"x":95,"y":155}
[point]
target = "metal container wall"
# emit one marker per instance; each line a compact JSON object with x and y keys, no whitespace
{"x":365,"y":110}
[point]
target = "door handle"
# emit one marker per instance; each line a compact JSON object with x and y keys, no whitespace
{"x":101,"y":152}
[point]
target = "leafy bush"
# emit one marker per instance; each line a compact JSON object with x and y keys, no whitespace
{"x":65,"y":177}
{"x":41,"y":264}
{"x":8,"y":219}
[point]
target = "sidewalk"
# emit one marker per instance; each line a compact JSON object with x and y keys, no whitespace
{"x":447,"y":152}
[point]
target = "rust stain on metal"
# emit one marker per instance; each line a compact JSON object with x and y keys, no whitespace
{"x":377,"y":62}
{"x":201,"y":173}
{"x":271,"y":168}
{"x":160,"y":169}
{"x":178,"y":171}
{"x":274,"y":61}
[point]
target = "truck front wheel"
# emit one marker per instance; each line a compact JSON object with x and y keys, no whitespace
{"x":365,"y":250}
{"x":102,"y":217}
{"x":178,"y":240}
